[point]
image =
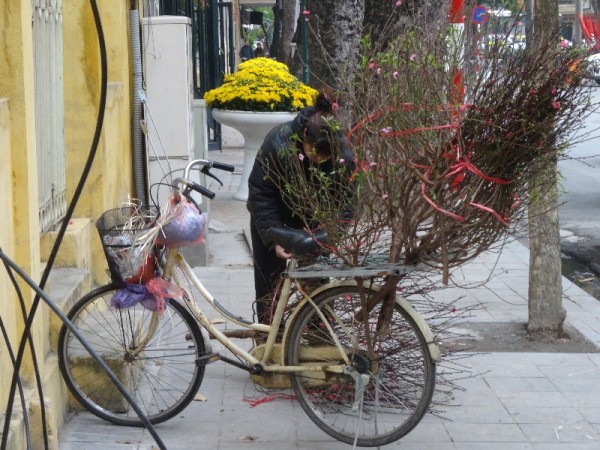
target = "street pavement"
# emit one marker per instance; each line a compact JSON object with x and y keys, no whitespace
{"x":519,"y":396}
{"x":579,"y":203}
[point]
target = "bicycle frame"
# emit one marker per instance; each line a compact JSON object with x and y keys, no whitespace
{"x":174,"y":258}
{"x":361,"y":359}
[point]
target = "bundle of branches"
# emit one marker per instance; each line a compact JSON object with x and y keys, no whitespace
{"x":445,"y":155}
{"x":448,"y":142}
{"x":449,"y":137}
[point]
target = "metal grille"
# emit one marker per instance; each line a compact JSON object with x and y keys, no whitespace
{"x":49,"y":110}
{"x":213,"y":48}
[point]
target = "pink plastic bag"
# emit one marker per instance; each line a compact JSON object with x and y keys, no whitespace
{"x":161,"y":290}
{"x":187,"y":227}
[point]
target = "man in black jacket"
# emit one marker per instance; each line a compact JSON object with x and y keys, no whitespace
{"x":308,"y":138}
{"x":246,"y":52}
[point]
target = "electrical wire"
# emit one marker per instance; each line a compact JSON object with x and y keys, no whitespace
{"x":26,"y":336}
{"x":11,"y":355}
{"x":41,"y":294}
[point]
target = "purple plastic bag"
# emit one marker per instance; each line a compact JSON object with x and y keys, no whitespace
{"x":131,"y":295}
{"x":153,"y":296}
{"x":154,"y":304}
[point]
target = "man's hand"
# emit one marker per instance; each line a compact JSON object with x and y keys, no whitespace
{"x":282,"y":253}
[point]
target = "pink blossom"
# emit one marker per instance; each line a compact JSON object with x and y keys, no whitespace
{"x":335,"y":107}
{"x":533,"y":92}
{"x":342,"y":160}
{"x":386,"y":130}
{"x":399,"y":3}
{"x":554,"y":92}
{"x":516,"y":202}
{"x":395,"y":75}
{"x":384,"y":196}
{"x":556,"y":105}
{"x":413,"y":57}
{"x":371,"y":65}
{"x":306,"y":13}
{"x":379,"y":71}
{"x":301,"y":157}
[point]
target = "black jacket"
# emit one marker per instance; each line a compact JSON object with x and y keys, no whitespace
{"x":265,"y":203}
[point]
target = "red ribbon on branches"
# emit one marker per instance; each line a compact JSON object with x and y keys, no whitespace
{"x":456,"y":170}
{"x":451,"y":214}
{"x":491,"y":211}
{"x":465,"y":164}
{"x":433,"y":204}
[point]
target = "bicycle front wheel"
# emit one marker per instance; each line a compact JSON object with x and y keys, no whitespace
{"x":156,"y":359}
{"x":387,"y":387}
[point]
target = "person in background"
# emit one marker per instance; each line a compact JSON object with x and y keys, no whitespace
{"x":313,"y":142}
{"x":246,"y":51}
{"x":258,"y":51}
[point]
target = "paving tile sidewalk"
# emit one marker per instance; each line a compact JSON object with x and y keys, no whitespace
{"x":511,"y":400}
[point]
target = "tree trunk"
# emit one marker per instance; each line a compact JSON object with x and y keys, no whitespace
{"x":334,"y":30}
{"x":384,"y":20}
{"x":376,"y":17}
{"x":546,"y":312}
{"x":288,"y":27}
{"x":545,"y":278}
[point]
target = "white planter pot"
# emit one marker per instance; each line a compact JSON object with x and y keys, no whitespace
{"x":253,"y":126}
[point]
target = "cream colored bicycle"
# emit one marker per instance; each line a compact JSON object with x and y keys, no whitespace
{"x":359,"y":385}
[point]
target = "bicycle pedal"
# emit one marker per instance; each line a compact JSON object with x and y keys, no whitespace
{"x":208,"y":358}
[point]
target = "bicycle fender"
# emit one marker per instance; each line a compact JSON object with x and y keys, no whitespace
{"x":412,"y":312}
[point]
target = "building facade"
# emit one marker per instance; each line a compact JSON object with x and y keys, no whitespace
{"x":568,"y":11}
{"x":50,"y":75}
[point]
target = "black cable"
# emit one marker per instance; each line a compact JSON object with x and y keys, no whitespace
{"x":41,"y":294}
{"x":64,"y":224}
{"x":36,"y":367}
{"x":60,"y":235}
{"x":67,"y":218}
{"x":12,"y":357}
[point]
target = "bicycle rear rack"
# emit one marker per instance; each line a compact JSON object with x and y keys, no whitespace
{"x":333,"y":268}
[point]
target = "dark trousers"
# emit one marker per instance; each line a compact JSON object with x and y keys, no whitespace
{"x":267,"y":270}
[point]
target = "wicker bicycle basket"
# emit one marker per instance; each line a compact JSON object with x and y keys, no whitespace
{"x":119,"y":231}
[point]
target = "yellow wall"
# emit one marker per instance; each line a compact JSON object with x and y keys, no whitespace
{"x":7,"y":308}
{"x":16,"y":73}
{"x":110,"y":180}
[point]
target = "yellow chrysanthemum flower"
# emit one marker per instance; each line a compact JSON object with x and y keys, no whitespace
{"x":261,"y":84}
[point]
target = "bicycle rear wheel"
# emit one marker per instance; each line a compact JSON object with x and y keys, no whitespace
{"x":156,"y":359}
{"x":388,"y":386}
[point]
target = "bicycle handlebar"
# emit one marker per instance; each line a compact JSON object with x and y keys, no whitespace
{"x":191,"y":185}
{"x":222,"y":166}
{"x":198,"y":188}
{"x":209,"y":164}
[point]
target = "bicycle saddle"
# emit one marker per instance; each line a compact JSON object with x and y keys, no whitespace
{"x":298,"y":242}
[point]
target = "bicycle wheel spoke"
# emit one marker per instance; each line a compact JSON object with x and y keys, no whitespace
{"x":385,"y":390}
{"x":154,"y":358}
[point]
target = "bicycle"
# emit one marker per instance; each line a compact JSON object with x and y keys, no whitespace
{"x":359,"y":386}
